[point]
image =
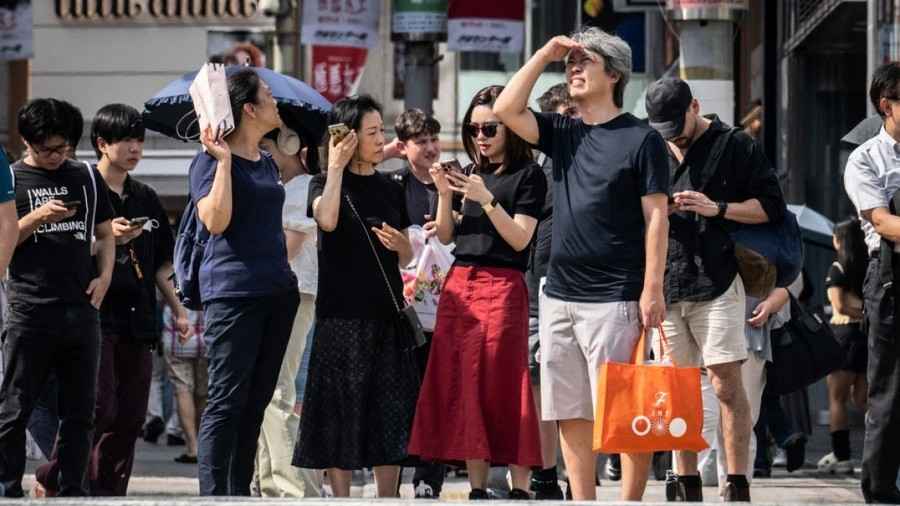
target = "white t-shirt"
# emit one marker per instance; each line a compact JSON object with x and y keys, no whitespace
{"x":306,"y":264}
{"x":871,"y":178}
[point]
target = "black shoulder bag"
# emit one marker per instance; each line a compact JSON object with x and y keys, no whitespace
{"x":406,"y":313}
{"x":804,"y":351}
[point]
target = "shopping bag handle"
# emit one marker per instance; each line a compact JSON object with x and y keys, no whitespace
{"x":640,"y":347}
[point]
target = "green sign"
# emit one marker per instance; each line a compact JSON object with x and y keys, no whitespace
{"x":419,"y":19}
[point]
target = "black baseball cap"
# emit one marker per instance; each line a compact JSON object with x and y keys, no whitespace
{"x":666,"y":103}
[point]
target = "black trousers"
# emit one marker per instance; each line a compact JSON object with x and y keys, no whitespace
{"x":245,"y":343}
{"x":881,"y":458}
{"x":40,"y":339}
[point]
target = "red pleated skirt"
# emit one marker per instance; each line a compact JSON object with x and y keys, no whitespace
{"x":476,"y":400}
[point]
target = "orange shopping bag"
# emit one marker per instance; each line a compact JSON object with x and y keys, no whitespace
{"x":645,"y":408}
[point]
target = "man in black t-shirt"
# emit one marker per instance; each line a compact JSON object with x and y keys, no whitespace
{"x":720,"y":180}
{"x":56,"y":287}
{"x":417,"y":141}
{"x":610,"y":180}
{"x":128,"y":317}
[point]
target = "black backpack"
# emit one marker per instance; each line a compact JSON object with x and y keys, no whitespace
{"x":190,"y":245}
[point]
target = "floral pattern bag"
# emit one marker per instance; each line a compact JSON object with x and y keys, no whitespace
{"x":424,"y":278}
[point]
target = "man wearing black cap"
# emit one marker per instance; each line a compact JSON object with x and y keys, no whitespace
{"x":720,"y":179}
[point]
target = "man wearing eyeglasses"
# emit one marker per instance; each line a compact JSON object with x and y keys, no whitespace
{"x":56,"y":287}
{"x":609,"y":239}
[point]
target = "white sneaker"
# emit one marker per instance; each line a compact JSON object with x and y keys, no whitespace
{"x":780,"y":459}
{"x":829,"y":464}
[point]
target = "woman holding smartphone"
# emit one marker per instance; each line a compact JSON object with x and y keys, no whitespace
{"x":360,"y":395}
{"x":475,"y":404}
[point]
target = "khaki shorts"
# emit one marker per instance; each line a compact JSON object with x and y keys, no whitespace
{"x":707,"y":333}
{"x":188,"y":375}
{"x":576,"y":339}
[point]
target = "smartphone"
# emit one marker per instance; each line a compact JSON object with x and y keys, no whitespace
{"x":452,"y":166}
{"x":138,"y":222}
{"x":71,"y":204}
{"x":337,"y":132}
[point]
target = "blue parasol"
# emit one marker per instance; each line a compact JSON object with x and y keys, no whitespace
{"x":171,"y":112}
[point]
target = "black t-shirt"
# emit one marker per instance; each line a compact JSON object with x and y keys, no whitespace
{"x":540,"y":249}
{"x":350,"y":281}
{"x":55,"y":265}
{"x":421,"y":198}
{"x":520,"y":190}
{"x":133,"y":290}
{"x":838,"y":278}
{"x":600,"y":173}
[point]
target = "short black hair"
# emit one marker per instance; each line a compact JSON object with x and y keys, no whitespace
{"x":414,"y":123}
{"x":557,"y":95}
{"x":885,"y":84}
{"x":350,"y":110}
{"x":43,"y":118}
{"x":243,"y":88}
{"x":114,"y":123}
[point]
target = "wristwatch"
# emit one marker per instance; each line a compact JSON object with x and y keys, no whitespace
{"x":723,"y":208}
{"x":490,"y":206}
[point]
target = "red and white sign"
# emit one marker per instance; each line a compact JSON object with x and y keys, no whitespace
{"x":497,"y":26}
{"x":346,"y":23}
{"x":336,"y":70}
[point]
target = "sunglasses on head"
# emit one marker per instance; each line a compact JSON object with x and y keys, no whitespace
{"x":488,"y":129}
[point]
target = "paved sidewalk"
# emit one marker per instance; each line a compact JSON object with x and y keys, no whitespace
{"x":157,"y":475}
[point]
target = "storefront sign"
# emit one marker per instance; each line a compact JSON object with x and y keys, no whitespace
{"x":419,"y":20}
{"x":494,"y":27}
{"x":336,"y":70}
{"x":16,"y":42}
{"x":157,"y":10}
{"x":346,"y":23}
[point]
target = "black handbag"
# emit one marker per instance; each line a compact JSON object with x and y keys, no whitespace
{"x":407,"y":313}
{"x":804,"y":351}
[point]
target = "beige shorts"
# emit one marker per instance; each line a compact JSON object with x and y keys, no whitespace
{"x":707,"y":333}
{"x":576,"y":339}
{"x":188,"y":375}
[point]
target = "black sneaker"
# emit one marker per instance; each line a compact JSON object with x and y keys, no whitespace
{"x":889,"y":497}
{"x":795,"y":451}
{"x":683,"y":488}
{"x":478,"y":494}
{"x":614,"y":467}
{"x":734,"y":493}
{"x":517,"y":494}
{"x":153,"y":429}
{"x":174,"y":440}
{"x":545,"y":492}
{"x":760,"y":472}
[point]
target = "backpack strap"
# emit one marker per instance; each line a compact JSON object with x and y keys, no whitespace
{"x":712,"y":163}
{"x":96,"y":197}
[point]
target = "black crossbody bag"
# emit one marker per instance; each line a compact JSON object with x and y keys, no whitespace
{"x":406,"y":313}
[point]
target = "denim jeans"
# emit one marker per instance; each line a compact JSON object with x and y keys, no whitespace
{"x":245,"y":342}
{"x":60,"y":339}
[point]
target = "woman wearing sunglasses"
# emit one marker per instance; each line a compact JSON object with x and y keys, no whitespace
{"x":475,"y":405}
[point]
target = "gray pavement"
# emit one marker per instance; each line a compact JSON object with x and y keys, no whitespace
{"x":158,"y":479}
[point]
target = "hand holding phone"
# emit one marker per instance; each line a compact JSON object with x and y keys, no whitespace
{"x":452,"y":166}
{"x":138,"y":222}
{"x":71,"y":204}
{"x":337,"y":132}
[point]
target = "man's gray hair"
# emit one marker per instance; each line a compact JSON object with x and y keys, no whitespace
{"x":616,"y":55}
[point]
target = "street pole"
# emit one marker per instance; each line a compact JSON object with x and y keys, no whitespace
{"x":419,"y":76}
{"x":871,"y":49}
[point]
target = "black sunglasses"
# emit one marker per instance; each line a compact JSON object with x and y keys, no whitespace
{"x":488,"y":129}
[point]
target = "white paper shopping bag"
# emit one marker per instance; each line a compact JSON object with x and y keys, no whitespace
{"x":209,"y":93}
